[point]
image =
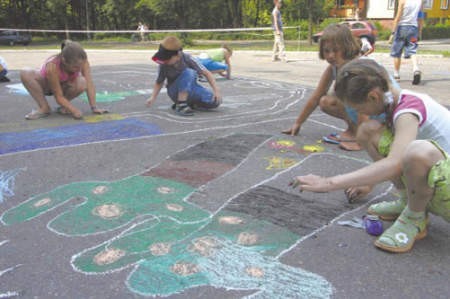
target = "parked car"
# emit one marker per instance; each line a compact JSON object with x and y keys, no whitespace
{"x":358,"y":28}
{"x":12,"y":37}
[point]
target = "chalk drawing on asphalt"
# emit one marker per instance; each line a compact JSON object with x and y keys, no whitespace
{"x":165,"y":238}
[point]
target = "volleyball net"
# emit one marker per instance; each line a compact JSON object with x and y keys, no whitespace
{"x":242,"y":37}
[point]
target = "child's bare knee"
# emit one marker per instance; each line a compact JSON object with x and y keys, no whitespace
{"x":421,"y":154}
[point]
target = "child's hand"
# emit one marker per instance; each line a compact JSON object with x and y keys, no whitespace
{"x":312,"y":183}
{"x":96,"y":110}
{"x":293,"y":131}
{"x":391,"y":39}
{"x":149,"y":102}
{"x":76,"y":113}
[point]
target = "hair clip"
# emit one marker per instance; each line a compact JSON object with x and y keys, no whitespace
{"x":388,"y":98}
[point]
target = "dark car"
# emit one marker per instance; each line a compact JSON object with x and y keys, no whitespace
{"x":11,"y":37}
{"x":358,"y":28}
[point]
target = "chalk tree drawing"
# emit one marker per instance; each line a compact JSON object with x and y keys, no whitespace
{"x":172,"y":244}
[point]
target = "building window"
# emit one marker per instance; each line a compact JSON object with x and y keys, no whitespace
{"x":391,"y":4}
{"x":444,"y":4}
{"x":340,"y":3}
{"x":428,"y":4}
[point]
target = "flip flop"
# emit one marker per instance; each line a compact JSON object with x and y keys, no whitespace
{"x":335,"y":138}
{"x":36,"y":114}
{"x":327,"y":139}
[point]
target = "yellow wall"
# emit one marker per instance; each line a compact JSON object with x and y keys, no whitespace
{"x":436,"y":11}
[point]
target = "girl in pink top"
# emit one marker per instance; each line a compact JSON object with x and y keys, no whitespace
{"x":65,"y":76}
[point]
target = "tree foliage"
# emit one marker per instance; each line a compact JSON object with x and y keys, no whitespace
{"x":158,"y":14}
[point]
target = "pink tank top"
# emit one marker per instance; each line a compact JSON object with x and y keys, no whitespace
{"x":63,"y":76}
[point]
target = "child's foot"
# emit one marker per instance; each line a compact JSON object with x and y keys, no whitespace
{"x":350,"y":146}
{"x":388,"y":210}
{"x":401,"y":235}
{"x":183,"y":109}
{"x":36,"y":114}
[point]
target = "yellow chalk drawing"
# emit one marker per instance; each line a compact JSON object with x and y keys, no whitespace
{"x":102,"y":117}
{"x":279,"y":163}
{"x":282,"y":145}
{"x":313,"y":148}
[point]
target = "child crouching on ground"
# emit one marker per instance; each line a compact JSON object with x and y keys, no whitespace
{"x":412,"y":150}
{"x":181,"y":72}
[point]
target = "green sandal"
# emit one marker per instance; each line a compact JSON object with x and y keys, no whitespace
{"x":388,"y":210}
{"x":400,"y":237}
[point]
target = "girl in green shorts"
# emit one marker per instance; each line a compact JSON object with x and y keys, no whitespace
{"x":411,"y":149}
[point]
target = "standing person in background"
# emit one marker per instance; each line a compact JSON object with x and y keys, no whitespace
{"x":3,"y":70}
{"x":65,"y":76}
{"x":217,"y":61}
{"x":405,"y":36}
{"x":277,"y":25}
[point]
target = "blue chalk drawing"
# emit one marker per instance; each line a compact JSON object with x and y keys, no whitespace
{"x":75,"y":134}
{"x":7,"y":183}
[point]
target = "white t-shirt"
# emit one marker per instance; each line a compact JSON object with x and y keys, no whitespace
{"x":365,"y":45}
{"x":410,"y":13}
{"x":3,"y":63}
{"x":434,"y":119}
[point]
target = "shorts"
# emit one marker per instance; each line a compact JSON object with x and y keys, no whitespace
{"x":3,"y":73}
{"x":405,"y":38}
{"x":212,"y":65}
{"x":198,"y":95}
{"x":353,"y":115}
{"x":438,"y":177}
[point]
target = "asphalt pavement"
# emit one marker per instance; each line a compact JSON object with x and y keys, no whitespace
{"x":143,"y":203}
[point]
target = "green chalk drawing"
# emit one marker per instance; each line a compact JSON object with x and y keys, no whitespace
{"x":171,"y":244}
{"x":233,"y":267}
{"x":103,"y":97}
{"x":117,"y":204}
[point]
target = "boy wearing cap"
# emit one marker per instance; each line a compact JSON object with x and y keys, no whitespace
{"x":181,"y":71}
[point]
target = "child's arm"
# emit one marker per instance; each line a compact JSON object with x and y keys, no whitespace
{"x":90,"y":89}
{"x":212,"y":82}
{"x":55,"y":87}
{"x":228,"y":62}
{"x":322,"y":88}
{"x":156,"y":89}
{"x":406,"y":128}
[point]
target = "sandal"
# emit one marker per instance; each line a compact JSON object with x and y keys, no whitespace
{"x":183,"y":109}
{"x":36,"y":114}
{"x":388,"y":210}
{"x":400,"y":237}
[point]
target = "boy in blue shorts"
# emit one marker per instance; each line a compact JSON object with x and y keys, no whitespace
{"x":405,"y":36}
{"x":217,"y":61}
{"x":181,"y":71}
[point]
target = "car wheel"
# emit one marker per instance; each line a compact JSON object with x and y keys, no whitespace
{"x":11,"y":43}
